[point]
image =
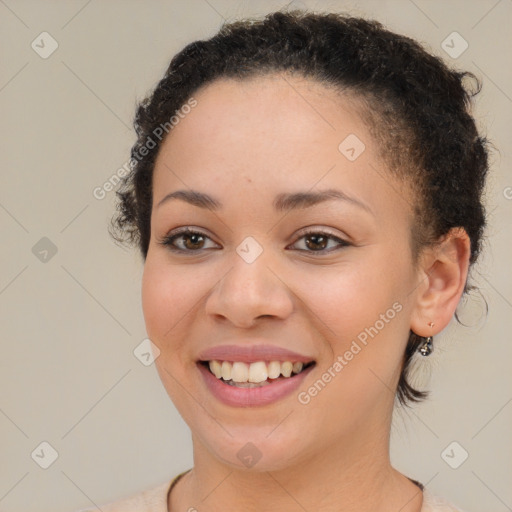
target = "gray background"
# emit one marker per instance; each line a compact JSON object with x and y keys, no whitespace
{"x":71,"y":320}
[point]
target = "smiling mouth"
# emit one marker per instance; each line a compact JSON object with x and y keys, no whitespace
{"x":253,"y":375}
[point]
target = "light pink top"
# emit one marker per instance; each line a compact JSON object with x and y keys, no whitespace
{"x":155,"y":500}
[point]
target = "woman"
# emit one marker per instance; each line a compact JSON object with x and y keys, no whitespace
{"x":306,"y":195}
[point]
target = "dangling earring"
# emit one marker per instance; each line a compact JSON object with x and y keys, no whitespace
{"x":427,"y":347}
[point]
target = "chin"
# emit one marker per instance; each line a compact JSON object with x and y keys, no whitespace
{"x":256,"y":449}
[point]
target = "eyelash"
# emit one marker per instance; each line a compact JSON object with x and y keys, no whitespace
{"x":168,"y":240}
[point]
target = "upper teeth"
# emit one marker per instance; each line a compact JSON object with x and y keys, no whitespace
{"x":253,"y":372}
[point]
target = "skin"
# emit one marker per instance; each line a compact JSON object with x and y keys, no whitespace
{"x":244,"y":143}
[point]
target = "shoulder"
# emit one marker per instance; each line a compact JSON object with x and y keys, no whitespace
{"x":153,"y":499}
{"x":433,"y":503}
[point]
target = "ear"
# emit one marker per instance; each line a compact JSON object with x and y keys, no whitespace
{"x":442,"y":274}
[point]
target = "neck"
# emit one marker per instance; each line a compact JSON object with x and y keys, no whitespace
{"x":351,"y":476}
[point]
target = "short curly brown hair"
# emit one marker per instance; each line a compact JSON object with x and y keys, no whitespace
{"x":417,"y":109}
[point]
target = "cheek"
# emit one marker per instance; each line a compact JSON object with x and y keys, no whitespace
{"x":349,"y":299}
{"x":166,"y":299}
{"x":360,"y":314}
{"x":167,"y":295}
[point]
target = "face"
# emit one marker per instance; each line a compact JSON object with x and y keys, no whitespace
{"x":331,"y":280}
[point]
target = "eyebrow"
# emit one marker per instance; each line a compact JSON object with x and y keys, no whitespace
{"x":282,"y":203}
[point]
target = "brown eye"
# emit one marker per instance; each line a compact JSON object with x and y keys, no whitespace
{"x":318,"y":241}
{"x":189,"y":241}
{"x":193,"y":241}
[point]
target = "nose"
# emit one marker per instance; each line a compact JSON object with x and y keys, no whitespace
{"x":250,"y":291}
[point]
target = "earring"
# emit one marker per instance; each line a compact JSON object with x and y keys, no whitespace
{"x":427,"y":347}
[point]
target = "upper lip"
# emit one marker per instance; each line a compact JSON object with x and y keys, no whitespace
{"x":251,"y":354}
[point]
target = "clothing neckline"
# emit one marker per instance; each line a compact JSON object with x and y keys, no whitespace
{"x":419,"y":484}
{"x":173,"y":483}
{"x":178,"y":477}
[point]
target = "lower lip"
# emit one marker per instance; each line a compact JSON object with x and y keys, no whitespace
{"x":249,"y":397}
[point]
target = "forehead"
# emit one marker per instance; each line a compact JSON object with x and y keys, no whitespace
{"x":278,"y":122}
{"x":272,"y":134}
